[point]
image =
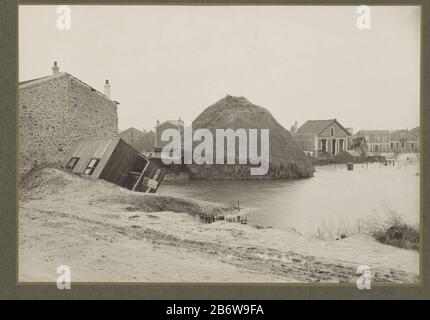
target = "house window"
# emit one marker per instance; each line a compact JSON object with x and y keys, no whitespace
{"x":391,"y":145}
{"x":72,"y":163}
{"x":412,"y":145}
{"x":91,"y":167}
{"x":332,"y":132}
{"x":403,"y":145}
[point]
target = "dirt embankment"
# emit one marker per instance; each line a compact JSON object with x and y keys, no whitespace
{"x":107,"y":233}
{"x":46,"y":182}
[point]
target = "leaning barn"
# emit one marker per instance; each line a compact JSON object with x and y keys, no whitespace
{"x":115,"y":161}
{"x":57,"y":110}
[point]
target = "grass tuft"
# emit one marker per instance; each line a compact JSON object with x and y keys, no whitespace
{"x":395,"y":232}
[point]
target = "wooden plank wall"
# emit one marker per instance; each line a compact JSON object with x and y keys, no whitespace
{"x":122,"y":159}
{"x":86,"y":149}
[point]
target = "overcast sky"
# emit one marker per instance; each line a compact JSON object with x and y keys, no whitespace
{"x":300,"y":63}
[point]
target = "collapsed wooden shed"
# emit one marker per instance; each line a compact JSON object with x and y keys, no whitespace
{"x":115,"y":161}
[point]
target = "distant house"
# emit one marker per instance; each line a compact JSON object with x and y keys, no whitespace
{"x":328,"y":136}
{"x":404,"y":141}
{"x":147,"y":143}
{"x":377,"y":140}
{"x":57,"y":110}
{"x":133,"y":137}
{"x":168,"y":124}
{"x":115,"y":161}
{"x":141,"y":141}
{"x":415,"y":131}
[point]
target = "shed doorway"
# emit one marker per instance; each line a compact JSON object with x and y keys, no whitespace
{"x":135,"y":172}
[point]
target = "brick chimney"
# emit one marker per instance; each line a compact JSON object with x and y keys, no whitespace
{"x":55,"y":68}
{"x":107,"y":89}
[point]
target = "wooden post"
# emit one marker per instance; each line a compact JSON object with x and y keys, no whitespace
{"x":141,"y":175}
{"x":238,"y":207}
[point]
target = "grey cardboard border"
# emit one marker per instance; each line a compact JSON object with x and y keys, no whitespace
{"x":11,"y":289}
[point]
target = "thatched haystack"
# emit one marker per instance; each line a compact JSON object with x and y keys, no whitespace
{"x":287,"y":160}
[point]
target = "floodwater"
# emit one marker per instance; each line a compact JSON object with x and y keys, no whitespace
{"x":332,"y":202}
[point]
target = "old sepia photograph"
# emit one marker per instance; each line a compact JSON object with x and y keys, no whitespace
{"x":219,"y":144}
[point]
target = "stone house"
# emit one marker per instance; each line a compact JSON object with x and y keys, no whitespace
{"x":377,"y":140}
{"x":57,"y":110}
{"x":327,"y":136}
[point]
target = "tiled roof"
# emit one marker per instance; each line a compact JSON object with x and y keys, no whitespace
{"x":303,"y":134}
{"x":317,"y":126}
{"x":314,"y":126}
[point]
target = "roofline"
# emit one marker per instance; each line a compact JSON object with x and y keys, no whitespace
{"x":298,"y":129}
{"x":166,"y":121}
{"x":20,"y":83}
{"x":28,"y":83}
{"x":416,"y":135}
{"x":332,"y":120}
{"x":132,"y":128}
{"x":118,"y":141}
{"x":31,"y":82}
{"x":343,"y":128}
{"x":98,"y":139}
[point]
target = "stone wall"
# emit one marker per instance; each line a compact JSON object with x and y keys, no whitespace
{"x":55,"y":113}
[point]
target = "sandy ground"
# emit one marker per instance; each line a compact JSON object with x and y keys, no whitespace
{"x":106,"y":233}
